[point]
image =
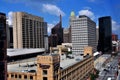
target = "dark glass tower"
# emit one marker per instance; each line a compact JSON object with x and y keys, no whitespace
{"x":11,"y":36}
{"x":56,"y":37}
{"x":3,"y":47}
{"x":105,"y":35}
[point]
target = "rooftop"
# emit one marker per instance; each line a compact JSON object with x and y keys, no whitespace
{"x":16,"y":52}
{"x":30,"y":64}
{"x":22,"y":67}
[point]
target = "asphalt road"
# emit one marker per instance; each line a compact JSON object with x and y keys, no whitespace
{"x":110,"y":70}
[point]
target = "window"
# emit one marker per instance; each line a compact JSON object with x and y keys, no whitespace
{"x":45,"y":78}
{"x":25,"y":77}
{"x":19,"y":76}
{"x":15,"y":76}
{"x":12,"y":76}
{"x":31,"y":77}
{"x":7,"y":75}
{"x":44,"y":72}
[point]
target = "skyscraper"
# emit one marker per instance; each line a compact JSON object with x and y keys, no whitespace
{"x":11,"y":36}
{"x":29,"y":31}
{"x":3,"y":47}
{"x":97,"y":35}
{"x":56,"y":37}
{"x":105,"y":35}
{"x":9,"y":30}
{"x":114,"y":37}
{"x":83,"y":33}
{"x":67,"y":35}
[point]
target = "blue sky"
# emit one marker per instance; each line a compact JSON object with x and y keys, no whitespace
{"x":51,"y":9}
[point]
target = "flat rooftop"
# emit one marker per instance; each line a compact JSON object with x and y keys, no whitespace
{"x":30,"y":64}
{"x":17,"y":52}
{"x":67,"y":62}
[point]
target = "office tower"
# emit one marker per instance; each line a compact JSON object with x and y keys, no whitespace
{"x":3,"y":47}
{"x":83,"y":33}
{"x":97,"y":35}
{"x":56,"y":37}
{"x":67,"y":35}
{"x":8,"y":35}
{"x":105,"y":35}
{"x":114,"y":43}
{"x":9,"y":30}
{"x":29,"y":31}
{"x":114,"y":37}
{"x":11,"y":36}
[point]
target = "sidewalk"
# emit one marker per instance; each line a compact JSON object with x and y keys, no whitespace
{"x":101,"y":61}
{"x":118,"y":77}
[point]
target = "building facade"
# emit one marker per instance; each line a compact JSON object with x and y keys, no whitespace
{"x":97,"y":35}
{"x":11,"y":36}
{"x":3,"y":47}
{"x":67,"y":35}
{"x":114,"y":43}
{"x":9,"y":30}
{"x":105,"y":35}
{"x":49,"y":68}
{"x":83,"y":33}
{"x":29,"y":31}
{"x":114,"y":37}
{"x":56,"y":37}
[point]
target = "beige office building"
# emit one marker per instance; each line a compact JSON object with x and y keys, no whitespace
{"x":29,"y":31}
{"x":52,"y":67}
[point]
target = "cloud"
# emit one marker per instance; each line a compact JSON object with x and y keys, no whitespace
{"x":50,"y":26}
{"x":10,"y":16}
{"x":97,"y":26}
{"x":41,"y":6}
{"x":87,"y":13}
{"x":115,"y":26}
{"x":52,"y":9}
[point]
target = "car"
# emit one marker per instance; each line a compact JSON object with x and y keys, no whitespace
{"x":109,"y":78}
{"x":32,"y":71}
{"x":24,"y":70}
{"x":106,"y":70}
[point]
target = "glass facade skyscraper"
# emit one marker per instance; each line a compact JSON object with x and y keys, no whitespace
{"x":105,"y":35}
{"x":56,"y":37}
{"x":3,"y":47}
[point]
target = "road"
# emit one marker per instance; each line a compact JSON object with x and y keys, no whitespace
{"x":118,"y":78}
{"x":110,"y":70}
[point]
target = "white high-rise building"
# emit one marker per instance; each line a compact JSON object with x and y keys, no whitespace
{"x":83,"y":33}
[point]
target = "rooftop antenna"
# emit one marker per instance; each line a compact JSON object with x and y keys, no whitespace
{"x":61,"y":20}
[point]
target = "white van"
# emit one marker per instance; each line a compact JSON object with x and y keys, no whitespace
{"x":109,"y":78}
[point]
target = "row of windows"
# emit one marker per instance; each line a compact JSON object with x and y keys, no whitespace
{"x":77,"y":72}
{"x":20,"y":76}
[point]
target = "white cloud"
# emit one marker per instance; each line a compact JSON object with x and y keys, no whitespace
{"x":50,"y":26}
{"x":115,"y":26}
{"x":41,"y":6}
{"x":10,"y":16}
{"x":52,"y":9}
{"x":87,"y":13}
{"x":97,"y":26}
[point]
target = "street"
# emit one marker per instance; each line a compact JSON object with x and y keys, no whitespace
{"x":109,"y":70}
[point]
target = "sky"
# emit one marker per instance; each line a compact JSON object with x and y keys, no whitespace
{"x":51,"y":9}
